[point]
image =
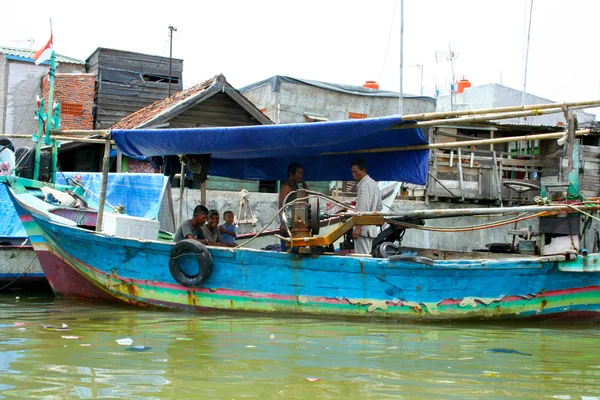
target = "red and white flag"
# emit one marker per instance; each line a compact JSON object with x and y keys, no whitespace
{"x":44,"y":53}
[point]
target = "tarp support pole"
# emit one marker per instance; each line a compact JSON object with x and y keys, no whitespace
{"x":181,"y":190}
{"x":105,"y":164}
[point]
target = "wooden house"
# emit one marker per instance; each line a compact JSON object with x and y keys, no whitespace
{"x":127,"y":81}
{"x":212,"y":103}
{"x":489,"y":173}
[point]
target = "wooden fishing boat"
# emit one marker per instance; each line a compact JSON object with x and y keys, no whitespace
{"x":80,"y":262}
{"x":313,"y":279}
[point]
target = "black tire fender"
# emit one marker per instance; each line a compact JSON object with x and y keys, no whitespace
{"x":415,"y":259}
{"x":189,"y":246}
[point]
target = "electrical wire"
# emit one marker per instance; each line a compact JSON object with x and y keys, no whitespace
{"x":465,"y":229}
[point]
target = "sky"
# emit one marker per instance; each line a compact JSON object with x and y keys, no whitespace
{"x":345,"y":42}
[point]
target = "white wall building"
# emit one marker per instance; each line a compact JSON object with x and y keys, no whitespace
{"x":20,"y":82}
{"x":290,"y":100}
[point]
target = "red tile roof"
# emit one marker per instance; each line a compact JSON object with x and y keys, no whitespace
{"x":134,"y":120}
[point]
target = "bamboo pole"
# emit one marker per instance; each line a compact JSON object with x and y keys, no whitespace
{"x":473,"y":119}
{"x":497,"y":176}
{"x":82,"y":132}
{"x":105,"y":164}
{"x":181,"y":192}
{"x":460,"y":175}
{"x":446,"y":114}
{"x":466,"y":143}
{"x":65,"y":138}
{"x":458,"y":212}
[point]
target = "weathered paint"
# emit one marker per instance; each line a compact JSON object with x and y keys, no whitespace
{"x":81,"y":263}
{"x":20,"y":270}
{"x":591,"y":263}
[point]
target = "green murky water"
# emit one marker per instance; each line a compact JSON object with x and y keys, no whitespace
{"x":239,"y":356}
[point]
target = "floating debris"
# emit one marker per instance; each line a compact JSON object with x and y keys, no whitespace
{"x":312,"y":379}
{"x":72,"y":337}
{"x":490,"y":373}
{"x":138,"y":348}
{"x":62,"y":327}
{"x":506,"y":351}
{"x":250,"y":346}
{"x":19,"y":324}
{"x":125,"y":341}
{"x":272,"y":337}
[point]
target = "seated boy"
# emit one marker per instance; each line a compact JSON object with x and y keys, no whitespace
{"x":192,"y":229}
{"x":228,"y":229}
{"x":211,"y":231}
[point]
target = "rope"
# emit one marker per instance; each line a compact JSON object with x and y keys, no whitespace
{"x":20,"y":275}
{"x":244,"y":208}
{"x":582,"y":212}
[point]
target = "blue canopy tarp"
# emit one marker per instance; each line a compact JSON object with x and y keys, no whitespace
{"x":141,"y":194}
{"x":263,"y":152}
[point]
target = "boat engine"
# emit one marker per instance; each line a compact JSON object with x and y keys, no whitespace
{"x":305,"y":215}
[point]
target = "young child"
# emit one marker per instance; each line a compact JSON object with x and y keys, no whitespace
{"x":228,"y":229}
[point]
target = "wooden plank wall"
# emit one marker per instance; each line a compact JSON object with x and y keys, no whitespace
{"x":589,"y":177}
{"x":473,"y":175}
{"x":116,"y":100}
{"x":217,"y":110}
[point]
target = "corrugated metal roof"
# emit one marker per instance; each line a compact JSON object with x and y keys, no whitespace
{"x":275,"y":82}
{"x":27,"y":55}
{"x":128,"y":52}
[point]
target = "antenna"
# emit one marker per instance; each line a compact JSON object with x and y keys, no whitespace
{"x":420,"y":66}
{"x":171,"y":29}
{"x":30,"y":41}
{"x":448,"y":55}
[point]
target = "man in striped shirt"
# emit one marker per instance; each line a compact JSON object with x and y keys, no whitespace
{"x":368,"y":199}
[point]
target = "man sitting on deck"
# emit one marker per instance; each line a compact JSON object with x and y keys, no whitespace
{"x":192,"y":229}
{"x":212,"y":233}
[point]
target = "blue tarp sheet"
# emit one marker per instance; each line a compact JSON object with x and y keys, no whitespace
{"x":10,"y":224}
{"x":264,"y":152}
{"x":141,"y":194}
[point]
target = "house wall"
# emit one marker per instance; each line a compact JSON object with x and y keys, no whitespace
{"x":122,"y":85}
{"x":75,"y":93}
{"x":495,"y":95}
{"x":265,"y":100}
{"x":22,"y":86}
{"x":296,"y":99}
{"x":3,"y":90}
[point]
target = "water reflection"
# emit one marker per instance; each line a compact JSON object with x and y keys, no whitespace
{"x":239,"y":356}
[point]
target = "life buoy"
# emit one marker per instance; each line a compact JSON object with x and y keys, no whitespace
{"x":203,"y":256}
{"x":415,"y":259}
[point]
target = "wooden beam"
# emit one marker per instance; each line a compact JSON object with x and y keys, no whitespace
{"x":105,"y":165}
{"x":466,"y":143}
{"x":64,"y":138}
{"x":338,"y":232}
